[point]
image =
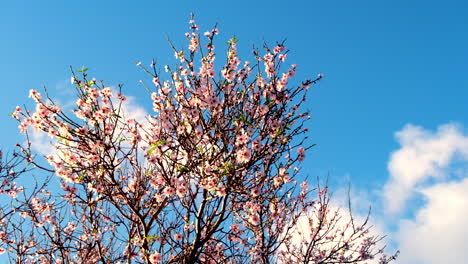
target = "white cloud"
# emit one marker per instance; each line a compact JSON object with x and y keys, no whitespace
{"x":426,"y":165}
{"x":41,"y":143}
{"x":131,"y":110}
{"x":423,"y":155}
{"x":438,"y":234}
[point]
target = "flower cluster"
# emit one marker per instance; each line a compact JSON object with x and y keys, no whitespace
{"x":209,"y":176}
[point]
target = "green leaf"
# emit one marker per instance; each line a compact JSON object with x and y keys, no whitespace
{"x":201,"y":150}
{"x":156,"y":144}
{"x":82,"y":176}
{"x":244,"y":119}
{"x":151,"y":238}
{"x":226,"y":168}
{"x":151,"y":150}
{"x":183,"y":170}
{"x":149,"y":172}
{"x":232,"y":40}
{"x":159,"y":143}
{"x":83,"y":69}
{"x":10,"y":114}
{"x":122,"y":140}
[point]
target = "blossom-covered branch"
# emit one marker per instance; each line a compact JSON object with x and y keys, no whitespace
{"x":211,"y":176}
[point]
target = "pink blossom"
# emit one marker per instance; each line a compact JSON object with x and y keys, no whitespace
{"x":156,"y":81}
{"x":121,"y":97}
{"x":178,"y":236}
{"x":221,"y":191}
{"x":277,"y":181}
{"x":282,"y":57}
{"x":181,"y":190}
{"x":255,"y":192}
{"x":132,"y":185}
{"x":169,"y":191}
{"x":159,"y":198}
{"x":155,"y":257}
{"x":301,"y":152}
{"x":243,"y":155}
{"x":194,"y":43}
{"x":278,"y":49}
{"x":107,"y":92}
{"x":35,"y":95}
{"x":242,"y":139}
{"x":254,"y":219}
{"x":257,"y":144}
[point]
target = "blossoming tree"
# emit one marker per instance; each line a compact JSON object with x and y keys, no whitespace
{"x":209,"y":177}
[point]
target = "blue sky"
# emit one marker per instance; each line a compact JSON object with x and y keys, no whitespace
{"x":386,"y":64}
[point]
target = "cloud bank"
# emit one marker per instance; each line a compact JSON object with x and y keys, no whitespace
{"x":438,"y":234}
{"x":425,"y":166}
{"x":423,"y":156}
